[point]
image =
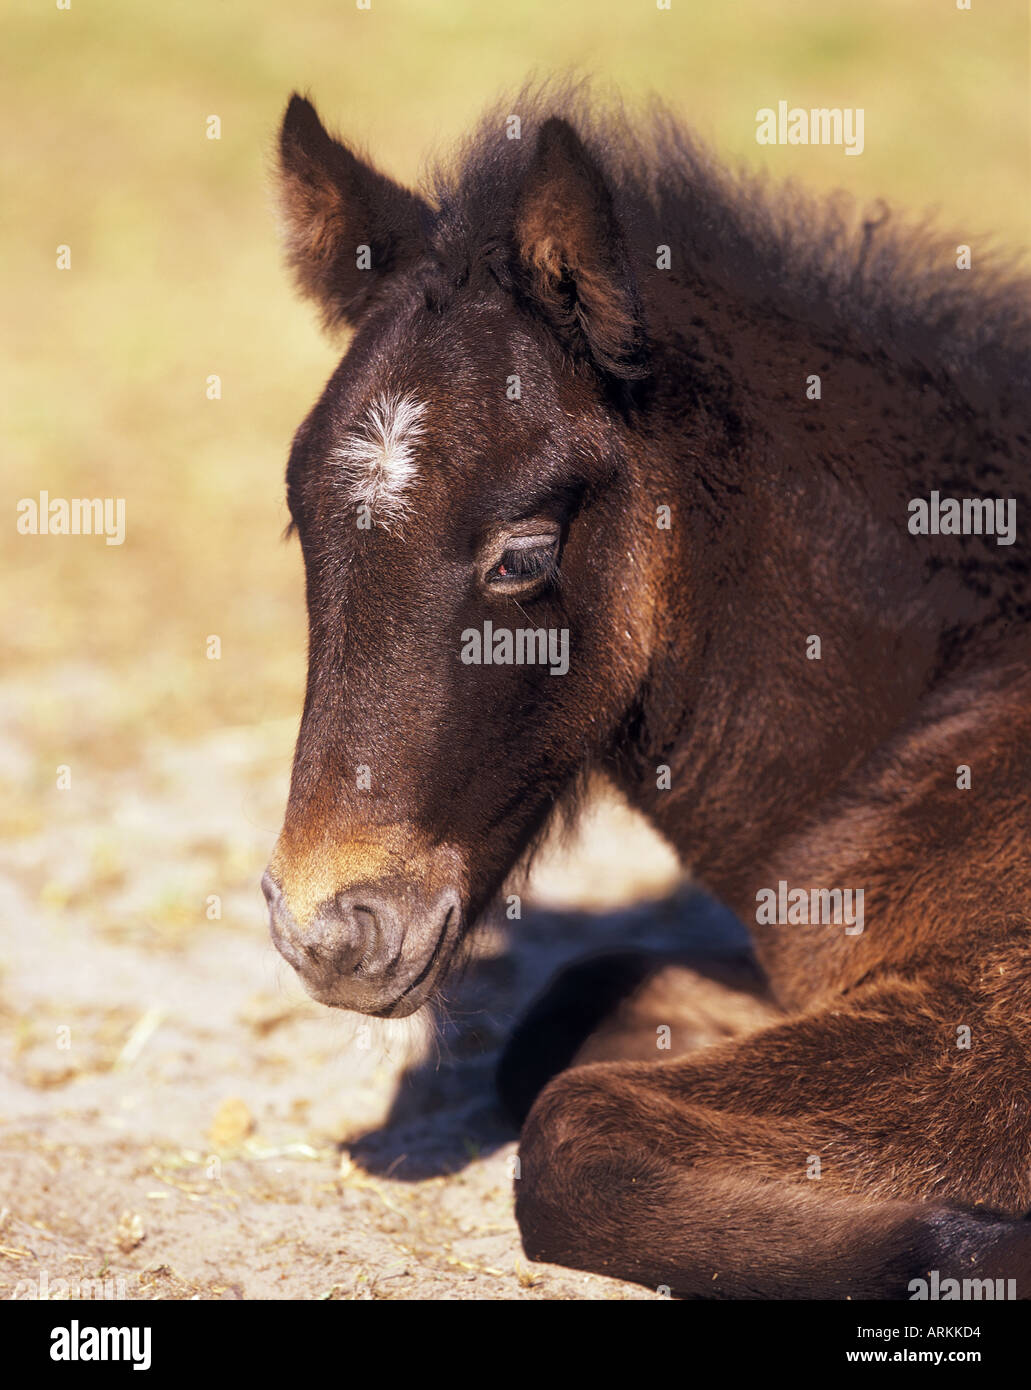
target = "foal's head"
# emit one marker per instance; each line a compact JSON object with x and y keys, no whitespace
{"x":469,"y":462}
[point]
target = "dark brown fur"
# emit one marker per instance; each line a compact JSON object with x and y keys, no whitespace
{"x":687,"y":388}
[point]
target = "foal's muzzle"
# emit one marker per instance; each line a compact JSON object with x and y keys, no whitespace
{"x":376,"y":948}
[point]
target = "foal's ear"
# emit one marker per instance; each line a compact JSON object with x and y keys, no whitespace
{"x":348,"y":226}
{"x":571,"y":255}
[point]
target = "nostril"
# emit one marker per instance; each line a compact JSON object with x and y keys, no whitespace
{"x":270,"y":888}
{"x":364,"y":935}
{"x":367,"y":935}
{"x":448,"y":910}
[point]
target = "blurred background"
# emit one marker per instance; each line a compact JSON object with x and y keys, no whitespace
{"x":130,"y":908}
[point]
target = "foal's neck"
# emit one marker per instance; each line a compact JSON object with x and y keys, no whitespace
{"x":803,"y":624}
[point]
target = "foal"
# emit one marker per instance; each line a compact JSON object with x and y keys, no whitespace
{"x":767,"y":476}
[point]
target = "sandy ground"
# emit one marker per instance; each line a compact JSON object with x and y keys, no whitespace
{"x":178,"y":1120}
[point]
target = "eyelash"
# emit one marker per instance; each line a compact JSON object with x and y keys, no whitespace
{"x":524,"y":563}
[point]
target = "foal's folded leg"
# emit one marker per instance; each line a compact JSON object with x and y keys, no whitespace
{"x":630,"y":1005}
{"x":840,"y":1154}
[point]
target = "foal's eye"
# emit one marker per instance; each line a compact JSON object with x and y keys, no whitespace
{"x":527,"y":562}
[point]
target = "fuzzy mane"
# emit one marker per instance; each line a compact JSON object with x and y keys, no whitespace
{"x":882,"y":284}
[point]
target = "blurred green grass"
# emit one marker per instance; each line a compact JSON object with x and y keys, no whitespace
{"x":176,"y":273}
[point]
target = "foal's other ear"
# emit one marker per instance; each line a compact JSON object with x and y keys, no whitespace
{"x":571,"y":256}
{"x":348,"y":227}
